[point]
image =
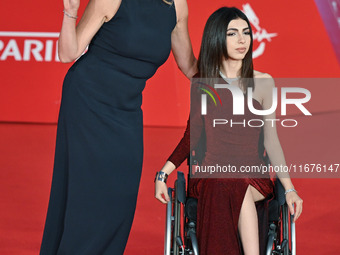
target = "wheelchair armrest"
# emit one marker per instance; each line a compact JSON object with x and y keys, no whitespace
{"x":180,"y":189}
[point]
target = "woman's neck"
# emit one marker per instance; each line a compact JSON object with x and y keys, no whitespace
{"x":231,"y":68}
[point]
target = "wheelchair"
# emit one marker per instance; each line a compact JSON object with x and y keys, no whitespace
{"x":180,"y":229}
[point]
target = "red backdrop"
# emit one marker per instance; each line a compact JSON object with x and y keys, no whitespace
{"x":293,"y":39}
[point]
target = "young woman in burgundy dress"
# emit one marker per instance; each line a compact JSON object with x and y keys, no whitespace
{"x":226,"y":210}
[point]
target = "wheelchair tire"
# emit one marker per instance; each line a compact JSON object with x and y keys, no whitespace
{"x":168,"y":225}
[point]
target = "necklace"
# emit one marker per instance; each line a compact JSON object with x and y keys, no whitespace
{"x":228,"y":80}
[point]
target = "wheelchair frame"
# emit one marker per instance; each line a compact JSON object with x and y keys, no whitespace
{"x":278,"y":236}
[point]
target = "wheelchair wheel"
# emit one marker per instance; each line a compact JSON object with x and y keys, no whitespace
{"x":173,"y":244}
{"x":168,"y":225}
{"x":288,"y":224}
{"x":280,"y":241}
{"x":271,"y":239}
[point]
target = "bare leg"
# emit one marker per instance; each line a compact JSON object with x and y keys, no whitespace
{"x":248,"y":222}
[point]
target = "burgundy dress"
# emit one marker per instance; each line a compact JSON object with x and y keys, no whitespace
{"x":220,"y":199}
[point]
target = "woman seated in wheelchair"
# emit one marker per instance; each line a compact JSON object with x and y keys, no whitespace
{"x":227,"y":217}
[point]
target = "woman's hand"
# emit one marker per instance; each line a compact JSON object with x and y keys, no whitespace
{"x":71,"y":6}
{"x":161,"y":189}
{"x":291,"y":198}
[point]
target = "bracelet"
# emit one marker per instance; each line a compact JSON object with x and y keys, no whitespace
{"x":161,"y":176}
{"x":290,"y":190}
{"x":69,"y":15}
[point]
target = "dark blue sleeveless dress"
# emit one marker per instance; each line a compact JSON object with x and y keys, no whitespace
{"x":99,"y":147}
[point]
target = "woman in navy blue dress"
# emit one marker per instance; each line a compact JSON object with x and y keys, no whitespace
{"x":99,"y":147}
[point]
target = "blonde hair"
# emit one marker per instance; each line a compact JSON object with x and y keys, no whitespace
{"x":168,"y":2}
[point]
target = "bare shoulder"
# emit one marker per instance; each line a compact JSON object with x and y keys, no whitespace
{"x":258,"y":74}
{"x":264,"y":84}
{"x":263,"y":81}
{"x":181,"y":7}
{"x":106,"y":8}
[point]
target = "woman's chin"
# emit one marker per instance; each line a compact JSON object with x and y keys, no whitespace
{"x":236,"y":58}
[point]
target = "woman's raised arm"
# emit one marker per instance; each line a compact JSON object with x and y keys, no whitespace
{"x":180,"y":41}
{"x":73,"y":39}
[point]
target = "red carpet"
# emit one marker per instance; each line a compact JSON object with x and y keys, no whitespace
{"x":26,"y":160}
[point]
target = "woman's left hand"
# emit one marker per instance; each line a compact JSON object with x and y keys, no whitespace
{"x":291,"y":199}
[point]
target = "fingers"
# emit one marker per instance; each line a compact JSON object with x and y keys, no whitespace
{"x":298,"y":209}
{"x":160,"y":191}
{"x":160,"y":198}
{"x":291,"y":199}
{"x":290,"y":207}
{"x":166,"y":195}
